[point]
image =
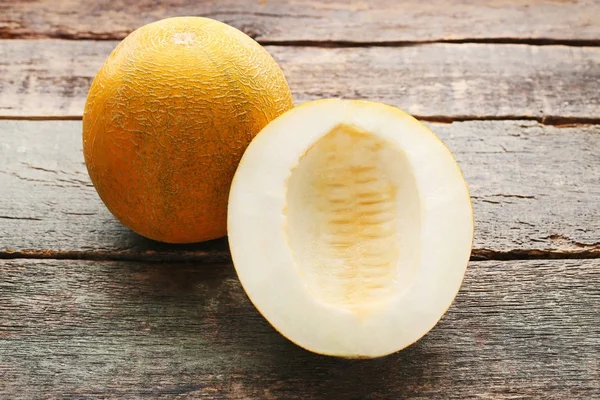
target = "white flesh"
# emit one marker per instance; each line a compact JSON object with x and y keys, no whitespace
{"x":350,"y":227}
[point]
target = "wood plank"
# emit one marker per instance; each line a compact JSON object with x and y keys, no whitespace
{"x":50,"y":78}
{"x":296,"y":20}
{"x":535,"y":189}
{"x":79,"y":329}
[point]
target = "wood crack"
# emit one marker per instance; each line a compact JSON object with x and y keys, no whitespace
{"x":42,"y":117}
{"x":408,"y":43}
{"x":518,"y":196}
{"x":585,"y":251}
{"x":39,"y":168}
{"x":20,"y":218}
{"x":60,"y":33}
{"x":548,"y":120}
{"x":591,"y":251}
{"x":259,"y":14}
{"x":216,"y":256}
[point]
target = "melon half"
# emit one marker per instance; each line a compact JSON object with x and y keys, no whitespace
{"x":350,"y":227}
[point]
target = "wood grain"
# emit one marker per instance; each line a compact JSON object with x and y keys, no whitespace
{"x":50,"y":78}
{"x":81,"y":329}
{"x":372,"y":21}
{"x":535,"y":190}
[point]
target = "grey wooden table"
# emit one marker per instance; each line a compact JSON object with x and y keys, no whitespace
{"x":88,"y":309}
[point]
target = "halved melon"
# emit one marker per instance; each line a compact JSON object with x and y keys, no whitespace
{"x":350,"y":227}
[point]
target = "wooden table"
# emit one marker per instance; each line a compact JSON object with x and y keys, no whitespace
{"x":90,"y":310}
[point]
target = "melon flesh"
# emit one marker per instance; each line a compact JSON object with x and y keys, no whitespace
{"x":350,"y":227}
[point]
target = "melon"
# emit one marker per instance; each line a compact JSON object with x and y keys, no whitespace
{"x":350,"y":227}
{"x":167,"y":120}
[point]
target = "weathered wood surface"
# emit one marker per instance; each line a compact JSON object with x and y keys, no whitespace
{"x":535,"y":189}
{"x":87,"y":329}
{"x":518,"y":329}
{"x":296,"y":20}
{"x":50,"y":78}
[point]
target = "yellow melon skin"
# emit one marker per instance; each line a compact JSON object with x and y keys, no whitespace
{"x":167,"y":120}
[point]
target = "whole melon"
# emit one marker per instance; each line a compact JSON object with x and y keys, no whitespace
{"x":167,"y":120}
